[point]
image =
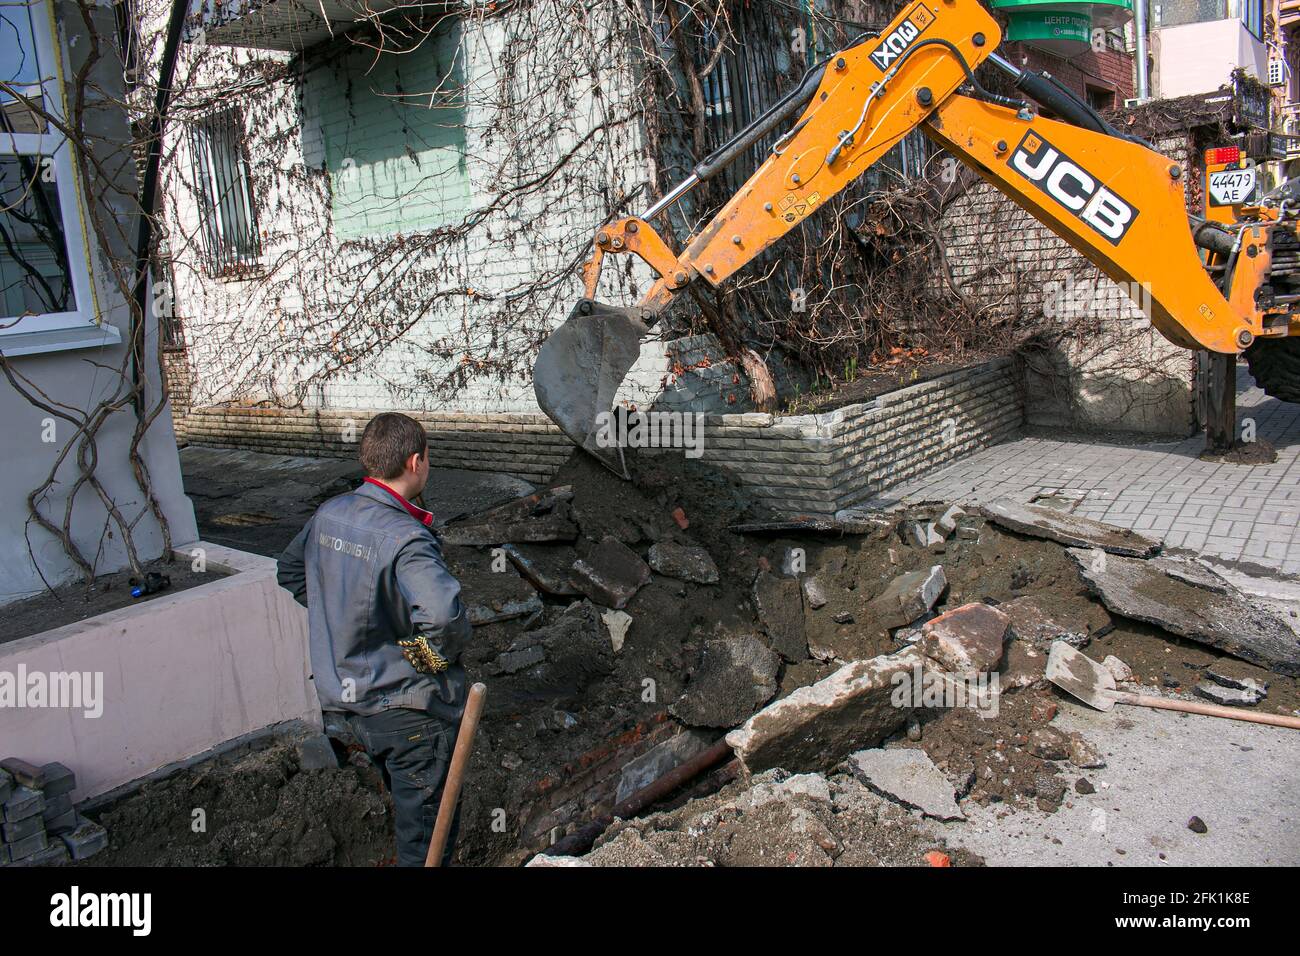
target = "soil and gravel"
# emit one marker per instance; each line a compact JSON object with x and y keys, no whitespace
{"x":253,"y":806}
{"x":1258,"y":452}
{"x":778,"y":820}
{"x":76,"y":601}
{"x":559,"y":689}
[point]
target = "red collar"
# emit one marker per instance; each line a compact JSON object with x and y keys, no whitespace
{"x":419,"y":514}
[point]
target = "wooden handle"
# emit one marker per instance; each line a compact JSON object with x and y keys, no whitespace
{"x":456,"y":774}
{"x":1209,"y":710}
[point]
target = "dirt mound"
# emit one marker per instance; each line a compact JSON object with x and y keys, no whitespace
{"x":778,"y":820}
{"x":1257,"y":452}
{"x":251,"y":807}
{"x":993,"y":760}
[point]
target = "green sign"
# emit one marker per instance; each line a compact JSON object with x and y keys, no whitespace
{"x":1062,"y":26}
{"x":1057,"y":26}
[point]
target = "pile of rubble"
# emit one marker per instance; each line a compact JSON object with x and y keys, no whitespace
{"x":629,"y":629}
{"x":794,"y":636}
{"x":41,"y":826}
{"x":776,"y":819}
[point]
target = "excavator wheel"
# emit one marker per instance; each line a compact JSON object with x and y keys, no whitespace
{"x":1275,"y":366}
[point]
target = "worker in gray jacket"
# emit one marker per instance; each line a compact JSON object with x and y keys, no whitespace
{"x":386,"y":625}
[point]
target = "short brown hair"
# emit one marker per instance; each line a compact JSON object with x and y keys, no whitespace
{"x":388,"y":441}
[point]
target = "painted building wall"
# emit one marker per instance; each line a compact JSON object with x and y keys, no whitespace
{"x":408,"y":226}
{"x":1200,"y":57}
{"x":83,"y":377}
{"x":396,"y":161}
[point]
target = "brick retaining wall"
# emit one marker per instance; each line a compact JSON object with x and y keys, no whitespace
{"x":813,"y":464}
{"x":818,"y":464}
{"x":527,"y":446}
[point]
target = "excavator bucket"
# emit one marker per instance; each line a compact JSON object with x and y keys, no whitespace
{"x":579,"y":369}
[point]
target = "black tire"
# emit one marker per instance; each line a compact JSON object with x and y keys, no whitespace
{"x":1275,"y":366}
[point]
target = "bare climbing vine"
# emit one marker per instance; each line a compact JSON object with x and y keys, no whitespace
{"x":98,"y":116}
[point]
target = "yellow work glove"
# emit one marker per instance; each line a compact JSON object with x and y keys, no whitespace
{"x":422,"y":656}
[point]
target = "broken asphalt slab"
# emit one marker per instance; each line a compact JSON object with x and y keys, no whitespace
{"x":967,"y":639}
{"x":849,"y":524}
{"x":490,"y":595}
{"x":1226,"y":620}
{"x":543,"y":516}
{"x":780,"y":608}
{"x":1032,"y":623}
{"x":543,"y":528}
{"x":909,"y":596}
{"x":817,"y":726}
{"x":909,"y":777}
{"x":1071,"y":530}
{"x":546,"y":567}
{"x":610,"y":574}
{"x":683,"y":562}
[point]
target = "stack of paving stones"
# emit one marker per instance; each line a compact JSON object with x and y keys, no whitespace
{"x":40,"y":825}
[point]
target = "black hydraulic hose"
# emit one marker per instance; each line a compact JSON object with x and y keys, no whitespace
{"x":1047,"y":91}
{"x":149,"y":188}
{"x":777,"y":113}
{"x":1211,"y":235}
{"x":965,"y":65}
{"x":1042,"y":90}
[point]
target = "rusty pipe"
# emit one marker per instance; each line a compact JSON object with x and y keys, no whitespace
{"x":580,"y":840}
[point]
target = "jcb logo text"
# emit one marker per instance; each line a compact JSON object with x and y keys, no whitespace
{"x":1073,"y":187}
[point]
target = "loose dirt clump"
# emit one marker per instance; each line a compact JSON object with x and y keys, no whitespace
{"x":1257,"y":452}
{"x":251,"y":807}
{"x":991,"y":759}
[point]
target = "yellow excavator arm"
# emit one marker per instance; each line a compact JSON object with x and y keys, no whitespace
{"x":1111,"y":197}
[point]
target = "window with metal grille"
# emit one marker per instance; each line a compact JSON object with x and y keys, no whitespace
{"x":229,"y":216}
{"x":744,"y":82}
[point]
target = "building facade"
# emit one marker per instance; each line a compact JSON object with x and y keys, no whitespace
{"x":90,"y":476}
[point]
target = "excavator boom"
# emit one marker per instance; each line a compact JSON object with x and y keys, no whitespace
{"x":1114,"y":199}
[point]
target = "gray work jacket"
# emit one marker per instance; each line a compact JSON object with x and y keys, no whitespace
{"x":370,"y":574}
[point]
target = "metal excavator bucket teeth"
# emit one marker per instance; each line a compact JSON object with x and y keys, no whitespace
{"x":579,"y":369}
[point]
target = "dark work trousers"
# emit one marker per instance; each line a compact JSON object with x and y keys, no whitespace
{"x":413,"y":751}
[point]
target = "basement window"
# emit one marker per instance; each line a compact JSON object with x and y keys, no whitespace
{"x":45,"y":299}
{"x":224,"y":187}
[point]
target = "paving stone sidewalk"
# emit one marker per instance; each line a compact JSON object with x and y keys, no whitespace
{"x":1230,"y":512}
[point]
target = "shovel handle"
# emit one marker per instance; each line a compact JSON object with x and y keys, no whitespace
{"x":1209,"y":710}
{"x":456,"y":774}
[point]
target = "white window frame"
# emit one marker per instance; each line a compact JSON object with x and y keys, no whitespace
{"x":78,"y":327}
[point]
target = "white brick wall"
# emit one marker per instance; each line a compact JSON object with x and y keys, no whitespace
{"x":265,"y":338}
{"x":1118,"y":373}
{"x":818,"y":464}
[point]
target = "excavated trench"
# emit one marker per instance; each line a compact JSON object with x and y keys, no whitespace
{"x":589,"y":702}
